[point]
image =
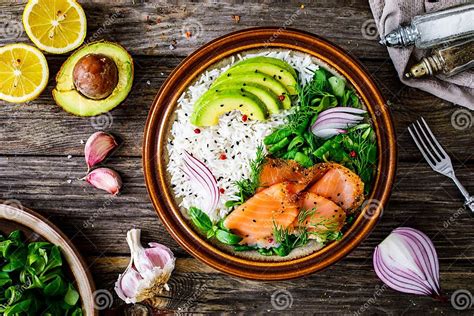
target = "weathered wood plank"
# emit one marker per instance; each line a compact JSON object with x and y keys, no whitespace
{"x":421,"y":199}
{"x":32,"y":129}
{"x":152,"y":28}
{"x":342,"y":289}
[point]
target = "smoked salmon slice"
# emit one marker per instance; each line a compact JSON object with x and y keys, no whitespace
{"x":255,"y":220}
{"x":319,"y":215}
{"x":341,"y":186}
{"x":279,"y":170}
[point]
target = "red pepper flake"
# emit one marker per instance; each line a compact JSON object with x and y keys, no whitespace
{"x":197,"y":131}
{"x":223,"y":156}
{"x":188,"y":34}
{"x":244,"y":118}
{"x":281,"y":97}
{"x":222,"y":190}
{"x":353,"y":154}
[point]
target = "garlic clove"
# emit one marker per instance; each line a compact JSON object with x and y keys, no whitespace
{"x":148,"y":271}
{"x":127,"y":284}
{"x":160,"y":255}
{"x":105,"y":179}
{"x":98,"y":147}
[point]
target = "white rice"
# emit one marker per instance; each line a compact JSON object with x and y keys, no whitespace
{"x":238,"y":140}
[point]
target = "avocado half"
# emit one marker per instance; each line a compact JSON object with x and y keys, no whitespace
{"x":256,"y":87}
{"x":71,"y":100}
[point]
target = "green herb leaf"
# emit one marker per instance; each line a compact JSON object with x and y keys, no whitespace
{"x":319,"y":82}
{"x":290,"y":154}
{"x":227,"y":238}
{"x":276,"y":136}
{"x":265,"y":251}
{"x":244,"y":248}
{"x":16,"y":309}
{"x":231,"y":203}
{"x":72,"y":296}
{"x":303,"y":160}
{"x":337,"y":85}
{"x":200,"y":219}
{"x":279,"y":146}
{"x":5,"y":279}
{"x":296,"y":142}
{"x":56,"y":287}
{"x":283,"y":250}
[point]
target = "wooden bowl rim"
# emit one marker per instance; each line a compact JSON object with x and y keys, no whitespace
{"x":26,"y":217}
{"x":164,"y":105}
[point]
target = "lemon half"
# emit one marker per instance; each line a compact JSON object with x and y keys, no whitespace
{"x":24,"y":73}
{"x":55,"y":26}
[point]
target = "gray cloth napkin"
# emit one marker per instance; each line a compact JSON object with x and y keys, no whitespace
{"x":389,"y":15}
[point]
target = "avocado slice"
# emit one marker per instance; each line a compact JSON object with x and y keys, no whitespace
{"x":258,"y":78}
{"x":271,"y":60}
{"x":278,"y":73}
{"x":71,"y":100}
{"x":224,"y":101}
{"x":270,"y":99}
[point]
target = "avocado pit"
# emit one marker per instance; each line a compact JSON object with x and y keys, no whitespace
{"x":95,"y":76}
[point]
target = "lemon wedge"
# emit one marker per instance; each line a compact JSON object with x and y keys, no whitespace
{"x":55,"y":26}
{"x":24,"y":73}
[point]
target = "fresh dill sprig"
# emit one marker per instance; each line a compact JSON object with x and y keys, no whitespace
{"x":302,"y":113}
{"x":247,"y":187}
{"x":289,"y":240}
{"x":365,"y":148}
{"x":304,"y":214}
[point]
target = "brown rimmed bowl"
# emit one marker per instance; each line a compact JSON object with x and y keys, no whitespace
{"x":160,"y":118}
{"x":35,"y":227}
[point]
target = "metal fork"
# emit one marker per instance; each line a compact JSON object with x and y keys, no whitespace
{"x":437,"y":157}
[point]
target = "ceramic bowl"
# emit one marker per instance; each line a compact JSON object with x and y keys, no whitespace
{"x":160,"y":119}
{"x":37,"y":228}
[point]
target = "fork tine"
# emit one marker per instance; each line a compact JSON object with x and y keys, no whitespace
{"x":440,"y":148}
{"x":423,"y":141}
{"x":433,"y":151}
{"x":420,"y":147}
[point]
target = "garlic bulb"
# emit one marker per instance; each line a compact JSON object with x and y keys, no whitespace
{"x":147,"y":273}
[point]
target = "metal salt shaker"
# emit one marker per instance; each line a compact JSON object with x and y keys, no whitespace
{"x":432,"y":29}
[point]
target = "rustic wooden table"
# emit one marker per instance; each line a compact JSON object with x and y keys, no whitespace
{"x":41,"y":156}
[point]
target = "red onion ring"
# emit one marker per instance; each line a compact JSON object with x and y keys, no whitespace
{"x":199,"y":173}
{"x":333,"y":121}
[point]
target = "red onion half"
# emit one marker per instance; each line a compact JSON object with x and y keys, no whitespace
{"x":407,"y":262}
{"x":336,"y":120}
{"x":199,"y":173}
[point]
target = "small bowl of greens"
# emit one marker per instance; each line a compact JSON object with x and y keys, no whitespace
{"x":41,"y":272}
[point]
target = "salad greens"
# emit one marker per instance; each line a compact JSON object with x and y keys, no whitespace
{"x":33,"y":280}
